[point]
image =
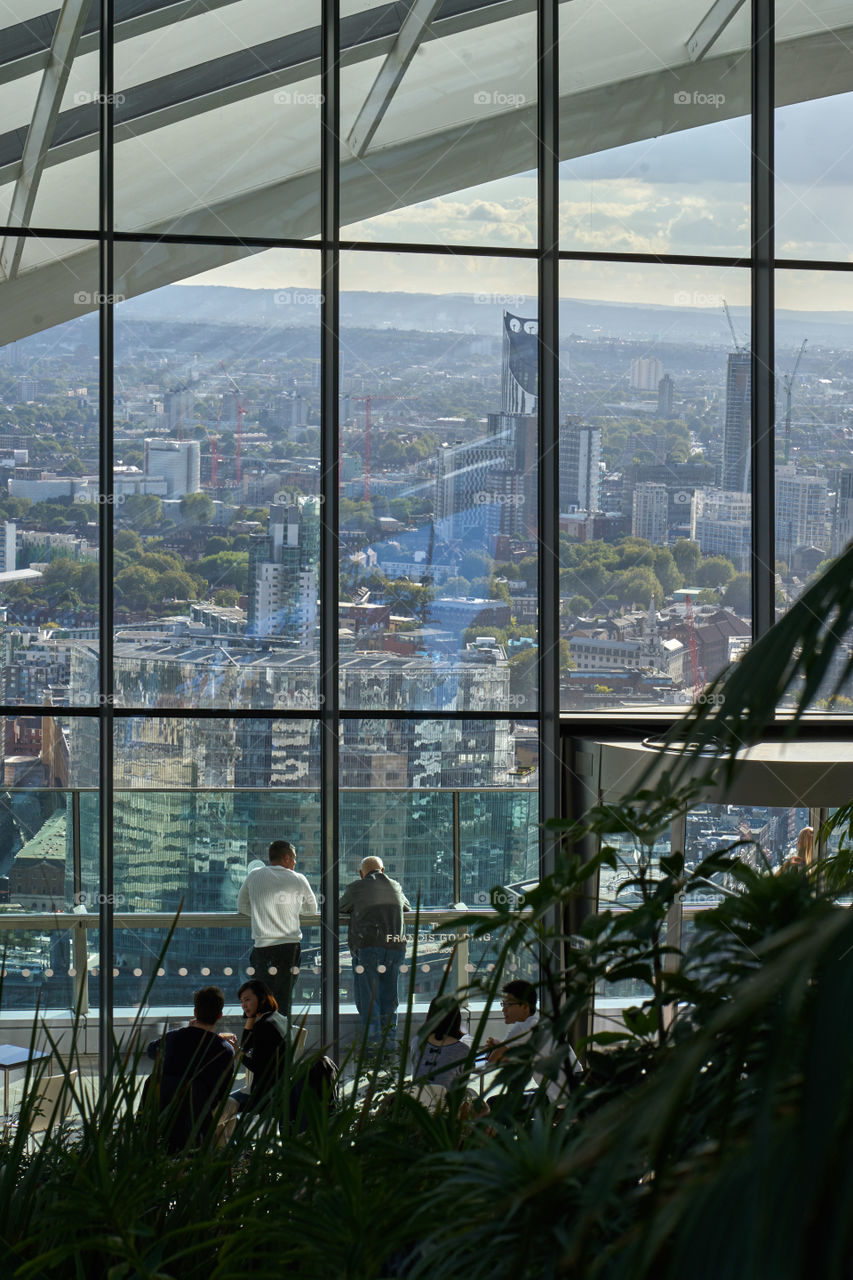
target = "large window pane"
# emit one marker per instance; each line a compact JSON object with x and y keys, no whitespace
{"x":814,"y":99}
{"x":48,"y":831}
{"x":217,"y":122}
{"x":439,"y":443}
{"x":49,"y":107}
{"x":444,"y":154}
{"x":654,"y":135}
{"x":655,"y":504}
{"x":51,"y":492}
{"x":217,"y":488}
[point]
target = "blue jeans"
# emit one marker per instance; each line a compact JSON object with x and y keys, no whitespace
{"x":375,"y":991}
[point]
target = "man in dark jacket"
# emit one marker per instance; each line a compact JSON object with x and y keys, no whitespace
{"x":377,"y":941}
{"x":196,"y":1070}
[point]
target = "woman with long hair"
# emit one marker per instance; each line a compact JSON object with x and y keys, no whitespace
{"x":263,"y":1045}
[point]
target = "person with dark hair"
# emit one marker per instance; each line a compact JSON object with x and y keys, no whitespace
{"x":274,"y":897}
{"x":196,"y":1069}
{"x":518,"y":1005}
{"x":439,"y":1049}
{"x":263,"y":1045}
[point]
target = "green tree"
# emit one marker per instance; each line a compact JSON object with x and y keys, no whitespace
{"x":738,"y":594}
{"x":136,"y":588}
{"x":716,"y":571}
{"x":142,"y":512}
{"x":666,"y":570}
{"x":197,"y":509}
{"x":687,"y":556}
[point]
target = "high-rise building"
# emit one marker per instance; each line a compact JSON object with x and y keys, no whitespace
{"x":649,"y":515}
{"x":283,"y":573}
{"x":666,"y":388}
{"x":721,"y":522}
{"x":801,"y":512}
{"x":178,"y":462}
{"x":178,"y":409}
{"x":580,"y":470}
{"x":842,"y":515}
{"x":736,"y":431}
{"x":8,"y":551}
{"x":646,"y":373}
{"x":520,"y":367}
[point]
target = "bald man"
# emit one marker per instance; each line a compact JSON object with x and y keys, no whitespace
{"x":377,"y":941}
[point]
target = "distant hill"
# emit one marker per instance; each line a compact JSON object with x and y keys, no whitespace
{"x":477,"y":314}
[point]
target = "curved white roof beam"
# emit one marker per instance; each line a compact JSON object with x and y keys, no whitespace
{"x":397,"y":173}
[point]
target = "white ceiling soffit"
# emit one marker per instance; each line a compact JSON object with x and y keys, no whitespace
{"x":781,"y":774}
{"x":594,"y":117}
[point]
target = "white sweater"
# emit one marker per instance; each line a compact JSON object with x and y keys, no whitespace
{"x":274,"y":897}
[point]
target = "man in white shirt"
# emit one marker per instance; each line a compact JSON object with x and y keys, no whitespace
{"x":518,"y":1005}
{"x":274,"y":897}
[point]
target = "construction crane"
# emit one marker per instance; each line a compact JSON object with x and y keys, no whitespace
{"x":367,"y":401}
{"x":787,"y":383}
{"x":241,"y":409}
{"x":737,"y":345}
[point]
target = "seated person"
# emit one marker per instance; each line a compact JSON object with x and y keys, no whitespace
{"x":439,"y":1049}
{"x":263,"y":1045}
{"x":197,"y":1066}
{"x":518,"y":1003}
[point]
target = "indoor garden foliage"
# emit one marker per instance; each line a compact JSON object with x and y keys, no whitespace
{"x":708,"y":1137}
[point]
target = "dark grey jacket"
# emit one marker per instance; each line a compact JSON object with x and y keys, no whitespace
{"x":375,"y":906}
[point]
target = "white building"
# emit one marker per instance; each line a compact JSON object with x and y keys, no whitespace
{"x":721,"y":522}
{"x":649,"y":512}
{"x":178,"y":462}
{"x":801,"y":512}
{"x":646,"y":373}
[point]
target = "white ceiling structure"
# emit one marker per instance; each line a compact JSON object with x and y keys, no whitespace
{"x":217,"y":116}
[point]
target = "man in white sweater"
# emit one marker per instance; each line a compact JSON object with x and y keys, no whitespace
{"x":274,"y":897}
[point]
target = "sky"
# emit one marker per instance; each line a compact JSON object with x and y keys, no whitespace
{"x":687,"y":192}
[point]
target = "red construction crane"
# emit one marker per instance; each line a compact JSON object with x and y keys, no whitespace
{"x":241,"y":409}
{"x":367,"y":401}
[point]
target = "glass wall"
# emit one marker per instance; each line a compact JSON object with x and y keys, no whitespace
{"x":315,"y":361}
